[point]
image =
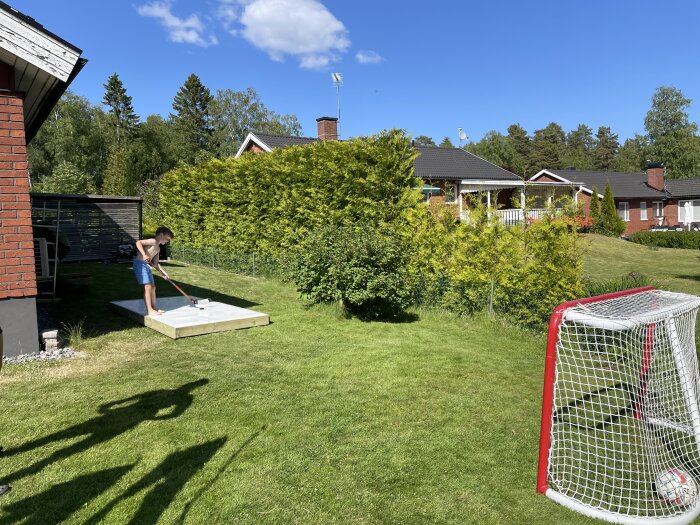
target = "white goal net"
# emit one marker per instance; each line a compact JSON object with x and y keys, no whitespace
{"x":621,"y":423}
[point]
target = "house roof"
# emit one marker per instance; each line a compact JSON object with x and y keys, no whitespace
{"x":683,"y":187}
{"x":282,"y":141}
{"x":456,"y":164}
{"x":623,"y":185}
{"x":44,"y":64}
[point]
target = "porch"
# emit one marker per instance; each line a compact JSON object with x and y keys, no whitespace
{"x":516,"y":202}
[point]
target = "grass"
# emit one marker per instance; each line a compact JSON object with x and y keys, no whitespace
{"x":670,"y":268}
{"x":313,"y":419}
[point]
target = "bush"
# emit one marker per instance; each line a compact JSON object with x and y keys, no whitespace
{"x":67,"y":178}
{"x":360,"y":268}
{"x":685,"y":239}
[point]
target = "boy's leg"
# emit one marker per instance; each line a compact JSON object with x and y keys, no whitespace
{"x":153,"y":299}
{"x":149,"y":295}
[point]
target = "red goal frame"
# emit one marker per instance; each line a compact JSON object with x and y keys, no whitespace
{"x":549,"y":371}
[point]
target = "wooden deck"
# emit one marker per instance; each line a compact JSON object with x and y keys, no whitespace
{"x":183,"y":320}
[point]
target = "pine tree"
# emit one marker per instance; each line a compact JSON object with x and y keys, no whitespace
{"x":123,"y":119}
{"x":611,"y":223}
{"x":424,"y":140}
{"x":547,"y":147}
{"x":594,"y":208}
{"x":605,"y":148}
{"x":192,"y":119}
{"x":446,"y":143}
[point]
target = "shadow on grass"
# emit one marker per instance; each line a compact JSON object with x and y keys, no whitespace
{"x":57,"y":504}
{"x":116,"y":282}
{"x":116,"y":418}
{"x":163,"y":483}
{"x":688,"y":277}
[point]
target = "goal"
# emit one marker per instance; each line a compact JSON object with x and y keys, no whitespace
{"x":620,"y":407}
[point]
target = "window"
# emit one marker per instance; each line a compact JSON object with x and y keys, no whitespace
{"x":658,"y":209}
{"x":623,"y":210}
{"x":450,"y":193}
{"x":643,"y":211}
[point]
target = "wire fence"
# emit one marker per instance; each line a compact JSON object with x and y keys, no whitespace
{"x":252,"y":264}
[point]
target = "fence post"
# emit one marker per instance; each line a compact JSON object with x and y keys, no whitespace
{"x":253,"y":264}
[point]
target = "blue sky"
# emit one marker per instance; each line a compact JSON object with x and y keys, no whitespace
{"x":425,"y":67}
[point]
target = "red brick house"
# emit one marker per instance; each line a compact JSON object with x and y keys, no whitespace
{"x":643,"y":199}
{"x":449,"y":174}
{"x":36,"y":67}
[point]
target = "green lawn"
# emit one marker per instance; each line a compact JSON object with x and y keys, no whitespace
{"x":312,"y":419}
{"x":670,"y":268}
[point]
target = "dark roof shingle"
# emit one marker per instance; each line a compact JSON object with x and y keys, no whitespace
{"x":283,"y":141}
{"x":623,"y":185}
{"x":683,"y":187}
{"x":457,"y":164}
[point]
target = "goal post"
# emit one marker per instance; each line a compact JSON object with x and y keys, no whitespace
{"x":620,"y":427}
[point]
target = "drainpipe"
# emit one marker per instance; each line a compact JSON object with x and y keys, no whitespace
{"x":580,"y":189}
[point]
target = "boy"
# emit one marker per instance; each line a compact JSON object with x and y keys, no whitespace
{"x":148,"y":251}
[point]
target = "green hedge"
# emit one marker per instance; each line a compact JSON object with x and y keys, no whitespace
{"x":268,"y":203}
{"x":689,"y":240}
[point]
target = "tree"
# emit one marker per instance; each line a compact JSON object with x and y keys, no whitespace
{"x":611,"y":224}
{"x":605,"y":149}
{"x":192,"y":119}
{"x":117,"y":179}
{"x":631,"y":157}
{"x":671,"y":136}
{"x":237,"y":113}
{"x":423,"y":140}
{"x":522,"y":143}
{"x":123,"y":120}
{"x":594,"y":208}
{"x":498,"y":149}
{"x":75,"y":132}
{"x":547,"y":147}
{"x":67,"y":178}
{"x":578,"y":150}
{"x":446,"y":143}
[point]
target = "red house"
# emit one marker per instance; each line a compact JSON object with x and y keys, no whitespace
{"x":36,"y":67}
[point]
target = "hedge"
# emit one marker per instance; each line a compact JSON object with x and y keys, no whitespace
{"x":268,"y":203}
{"x":689,"y":240}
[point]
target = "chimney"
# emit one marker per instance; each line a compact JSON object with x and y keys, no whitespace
{"x":327,"y":128}
{"x":655,"y":175}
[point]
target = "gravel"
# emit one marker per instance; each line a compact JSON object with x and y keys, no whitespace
{"x":48,"y":355}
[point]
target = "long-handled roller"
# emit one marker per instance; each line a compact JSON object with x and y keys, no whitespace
{"x":196,"y":303}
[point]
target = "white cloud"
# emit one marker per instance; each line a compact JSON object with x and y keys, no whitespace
{"x":304,"y":29}
{"x":368,"y":57}
{"x":228,"y":12}
{"x":188,"y":30}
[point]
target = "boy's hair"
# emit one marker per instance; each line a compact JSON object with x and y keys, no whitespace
{"x":165,"y":230}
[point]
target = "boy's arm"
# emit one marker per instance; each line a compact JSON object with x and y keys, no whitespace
{"x":144,"y":242}
{"x":156,"y":264}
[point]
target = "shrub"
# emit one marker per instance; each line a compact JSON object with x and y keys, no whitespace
{"x":67,"y":178}
{"x":359,"y":267}
{"x":610,"y":223}
{"x":684,"y":239}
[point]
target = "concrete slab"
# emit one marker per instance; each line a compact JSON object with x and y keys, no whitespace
{"x":183,"y":320}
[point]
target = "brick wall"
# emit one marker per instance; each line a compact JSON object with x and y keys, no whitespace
{"x":17,"y":276}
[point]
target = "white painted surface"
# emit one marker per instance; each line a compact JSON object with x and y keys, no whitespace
{"x":179,"y":313}
{"x":34,"y":46}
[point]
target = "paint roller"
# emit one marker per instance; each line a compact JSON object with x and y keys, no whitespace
{"x":197,"y":303}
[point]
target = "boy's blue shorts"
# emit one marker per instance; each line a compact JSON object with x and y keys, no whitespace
{"x":142,"y":272}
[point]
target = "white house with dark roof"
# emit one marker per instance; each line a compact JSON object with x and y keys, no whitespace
{"x":448,"y":174}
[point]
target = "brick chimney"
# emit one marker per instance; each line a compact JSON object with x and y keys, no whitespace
{"x":655,"y":175}
{"x":327,"y":128}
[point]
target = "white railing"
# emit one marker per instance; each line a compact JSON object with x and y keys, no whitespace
{"x":512,"y":216}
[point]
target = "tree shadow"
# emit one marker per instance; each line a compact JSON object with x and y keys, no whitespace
{"x":115,"y":418}
{"x":688,"y":277}
{"x":58,"y":503}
